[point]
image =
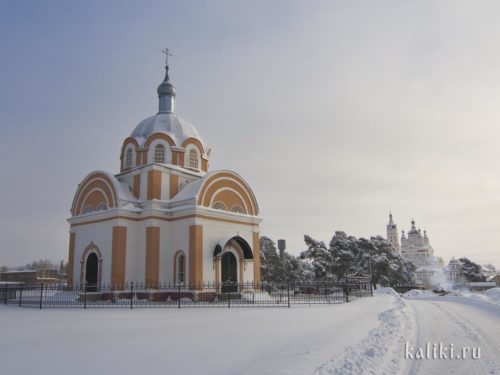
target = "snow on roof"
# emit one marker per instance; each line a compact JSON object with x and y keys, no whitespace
{"x":168,"y":123}
{"x":190,"y":191}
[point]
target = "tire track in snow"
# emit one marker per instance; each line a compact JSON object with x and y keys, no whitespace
{"x":478,"y":337}
{"x":437,"y":324}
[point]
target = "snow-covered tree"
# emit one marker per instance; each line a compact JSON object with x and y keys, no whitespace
{"x":271,"y":266}
{"x":471,"y":271}
{"x":289,"y":270}
{"x":348,"y":254}
{"x":320,"y":258}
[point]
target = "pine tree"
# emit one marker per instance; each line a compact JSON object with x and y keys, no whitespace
{"x":320,"y":258}
{"x":471,"y":271}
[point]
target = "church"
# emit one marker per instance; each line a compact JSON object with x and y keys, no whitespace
{"x":416,"y":247}
{"x":164,"y":218}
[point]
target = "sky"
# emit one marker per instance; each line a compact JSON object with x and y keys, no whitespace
{"x":335,"y":112}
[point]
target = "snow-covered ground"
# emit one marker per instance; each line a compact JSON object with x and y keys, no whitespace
{"x":366,"y":336}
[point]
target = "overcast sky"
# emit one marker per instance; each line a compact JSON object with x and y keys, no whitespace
{"x":334,"y":112}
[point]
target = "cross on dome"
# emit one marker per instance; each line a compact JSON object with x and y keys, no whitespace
{"x":167,"y":53}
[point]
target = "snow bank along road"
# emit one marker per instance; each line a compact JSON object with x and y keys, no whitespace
{"x":366,"y":336}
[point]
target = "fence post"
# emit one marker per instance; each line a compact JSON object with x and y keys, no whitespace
{"x":229,"y":299}
{"x":131,"y":295}
{"x":371,"y":287}
{"x":85,"y":295}
{"x":288,"y":293}
{"x":179,"y":296}
{"x":5,"y":292}
{"x":41,"y":295}
{"x":346,"y":290}
{"x":20,"y":295}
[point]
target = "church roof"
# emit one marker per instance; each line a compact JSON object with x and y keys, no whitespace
{"x":169,"y":123}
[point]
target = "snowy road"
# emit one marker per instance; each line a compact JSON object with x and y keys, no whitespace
{"x":461,"y":324}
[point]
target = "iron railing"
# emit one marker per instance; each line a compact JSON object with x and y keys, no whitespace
{"x":133,"y":295}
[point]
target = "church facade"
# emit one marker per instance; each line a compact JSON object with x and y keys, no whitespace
{"x":414,"y":247}
{"x":164,"y":218}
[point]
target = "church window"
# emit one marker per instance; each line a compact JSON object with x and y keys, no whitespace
{"x":193,"y":159}
{"x":219,"y":206}
{"x":87,"y":209}
{"x":102,"y":206}
{"x":238,"y":209}
{"x":128,"y":158}
{"x":180,"y":268}
{"x":159,"y":154}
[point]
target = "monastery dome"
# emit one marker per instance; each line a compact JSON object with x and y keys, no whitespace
{"x":169,"y":123}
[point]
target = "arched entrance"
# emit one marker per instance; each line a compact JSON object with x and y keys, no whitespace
{"x":91,"y":272}
{"x":229,"y":272}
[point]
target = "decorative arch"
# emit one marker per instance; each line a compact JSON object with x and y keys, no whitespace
{"x":177,"y":258}
{"x":246,"y":250}
{"x":90,"y":249}
{"x":195,"y":142}
{"x":219,"y":182}
{"x":218,"y":205}
{"x":126,"y":142}
{"x":162,"y":136}
{"x":94,"y":189}
{"x":238,"y":246}
{"x":238,"y":209}
{"x":230,"y":198}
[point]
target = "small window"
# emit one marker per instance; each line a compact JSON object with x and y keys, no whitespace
{"x":180,"y":268}
{"x":193,"y":159}
{"x":159,"y":154}
{"x":219,"y":206}
{"x":102,"y":206}
{"x":128,"y":158}
{"x":87,"y":209}
{"x":238,"y":209}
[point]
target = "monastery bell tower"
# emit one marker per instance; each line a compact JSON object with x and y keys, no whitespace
{"x":392,"y":234}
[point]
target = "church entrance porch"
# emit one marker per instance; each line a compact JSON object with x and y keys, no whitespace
{"x":229,"y":273}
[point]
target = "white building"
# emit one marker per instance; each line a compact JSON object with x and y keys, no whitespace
{"x":163,"y":218}
{"x":453,"y":272}
{"x":392,"y":234}
{"x":416,"y":247}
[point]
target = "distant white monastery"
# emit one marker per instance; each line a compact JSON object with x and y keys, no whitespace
{"x":164,"y":218}
{"x":416,"y":247}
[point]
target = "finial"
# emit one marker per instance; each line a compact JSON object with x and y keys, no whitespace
{"x":167,"y":53}
{"x":166,"y":90}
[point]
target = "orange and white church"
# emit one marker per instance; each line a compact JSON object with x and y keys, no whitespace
{"x":164,"y":218}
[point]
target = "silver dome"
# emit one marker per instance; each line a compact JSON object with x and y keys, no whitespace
{"x":169,"y":123}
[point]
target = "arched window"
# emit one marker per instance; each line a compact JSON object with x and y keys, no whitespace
{"x":159,"y":154}
{"x":181,"y":266}
{"x":102,"y":206}
{"x":128,"y":158}
{"x":193,"y":159}
{"x":218,"y":205}
{"x":238,"y":209}
{"x":87,"y":209}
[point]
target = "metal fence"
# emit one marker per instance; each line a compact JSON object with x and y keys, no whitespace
{"x":200,"y":295}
